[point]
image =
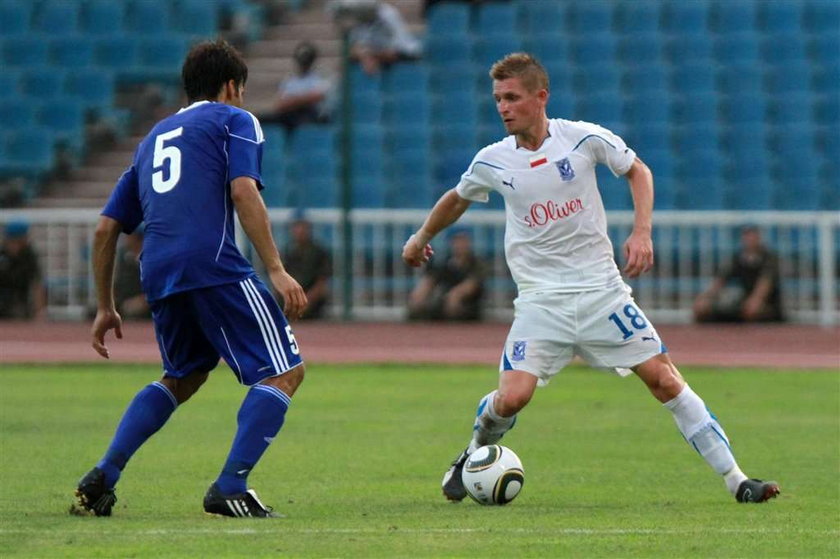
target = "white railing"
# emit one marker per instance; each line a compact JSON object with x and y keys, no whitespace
{"x":690,"y":247}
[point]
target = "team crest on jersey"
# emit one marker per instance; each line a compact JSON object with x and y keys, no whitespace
{"x":565,"y":168}
{"x":518,"y":351}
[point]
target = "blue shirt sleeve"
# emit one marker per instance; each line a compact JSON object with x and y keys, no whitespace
{"x":124,"y":203}
{"x":246,"y":147}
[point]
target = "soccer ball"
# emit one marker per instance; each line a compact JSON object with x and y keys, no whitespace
{"x":493,"y":475}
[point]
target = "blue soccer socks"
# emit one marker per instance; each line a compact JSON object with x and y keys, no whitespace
{"x":260,"y":419}
{"x":147,"y":413}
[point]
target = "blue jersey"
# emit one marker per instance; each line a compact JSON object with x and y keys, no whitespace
{"x":179,"y":185}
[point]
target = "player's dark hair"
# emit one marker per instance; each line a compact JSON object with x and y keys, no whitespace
{"x":523,"y":66}
{"x":209,"y":66}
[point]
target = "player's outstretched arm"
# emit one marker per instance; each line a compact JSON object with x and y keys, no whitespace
{"x":104,"y":254}
{"x":254,"y":218}
{"x":638,"y":249}
{"x":447,"y":210}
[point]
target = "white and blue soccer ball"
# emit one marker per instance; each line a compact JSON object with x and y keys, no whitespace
{"x":493,"y":475}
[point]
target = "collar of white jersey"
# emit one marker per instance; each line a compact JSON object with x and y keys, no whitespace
{"x":548,"y":137}
{"x":194,"y":105}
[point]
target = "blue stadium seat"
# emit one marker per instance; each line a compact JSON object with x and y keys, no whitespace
{"x":825,"y":48}
{"x":16,"y":114}
{"x":821,"y":16}
{"x":783,"y":80}
{"x":368,"y":182}
{"x":743,"y":140}
{"x":549,"y":49}
{"x":640,"y":80}
{"x":71,"y":51}
{"x":825,"y":79}
{"x":367,"y":109}
{"x":274,"y":166}
{"x":159,"y":60}
{"x":798,"y":189}
{"x":791,"y":109}
{"x":736,"y":48}
{"x":115,"y":52}
{"x":732,"y":16}
{"x":696,"y":138}
{"x":458,"y":107}
{"x":367,"y":141}
{"x":487,"y":50}
{"x":41,"y":83}
{"x":615,"y":193}
{"x":487,"y":112}
{"x":442,"y":50}
{"x":490,"y":133}
{"x":636,"y":19}
{"x":587,"y":18}
{"x":736,"y":109}
{"x":15,"y":17}
{"x":560,"y":105}
{"x":411,"y":180}
{"x":410,"y":108}
{"x":779,"y":17}
{"x":739,"y":79}
{"x":313,"y":138}
{"x":444,"y":76}
{"x":602,"y":78}
{"x":196,"y":18}
{"x":827,"y":111}
{"x":604,"y":109}
{"x":688,"y":48}
{"x":407,"y":77}
{"x":698,"y":182}
{"x":92,"y":88}
{"x":405,"y":138}
{"x":57,"y":17}
{"x":680,"y":18}
{"x":147,"y":17}
{"x":26,"y":51}
{"x":783,"y":50}
{"x":543,"y":17}
{"x":640,"y":51}
{"x":102,"y":17}
{"x":362,"y":84}
{"x":648,"y":137}
{"x":30,"y":153}
{"x":66,"y":118}
{"x":322,"y":192}
{"x":694,"y":110}
{"x":594,"y":49}
{"x":661,"y":164}
{"x":450,"y":136}
{"x":694,"y":79}
{"x":496,"y":19}
{"x":748,"y":180}
{"x":448,"y":19}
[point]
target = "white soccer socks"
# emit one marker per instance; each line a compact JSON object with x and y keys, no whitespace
{"x":489,"y":426}
{"x":702,"y":431}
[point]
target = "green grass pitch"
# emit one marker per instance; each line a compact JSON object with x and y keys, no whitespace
{"x":358,"y":465}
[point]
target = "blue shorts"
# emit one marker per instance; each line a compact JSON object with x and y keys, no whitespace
{"x":240,"y":322}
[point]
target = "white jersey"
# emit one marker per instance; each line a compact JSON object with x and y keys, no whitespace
{"x":556,"y":232}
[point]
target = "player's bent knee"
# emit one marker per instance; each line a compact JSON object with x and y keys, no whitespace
{"x":184,"y":388}
{"x":510,"y":402}
{"x":289,"y":381}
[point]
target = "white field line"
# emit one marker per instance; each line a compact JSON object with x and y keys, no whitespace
{"x":102,"y":531}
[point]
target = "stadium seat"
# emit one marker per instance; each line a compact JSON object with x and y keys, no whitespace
{"x":16,"y":114}
{"x":827,"y":110}
{"x":821,"y":16}
{"x":66,"y":118}
{"x":315,"y":193}
{"x":548,"y":49}
{"x":695,"y":109}
{"x":736,"y":109}
{"x":736,"y":48}
{"x":637,"y":19}
{"x":646,"y":137}
{"x":748,"y":181}
{"x":29,"y":153}
{"x":196,"y":18}
{"x":496,"y":19}
{"x":783,"y":80}
{"x":25,"y":51}
{"x":57,"y":17}
{"x":14,"y":17}
{"x":688,"y":49}
{"x":102,"y":17}
{"x":601,"y":78}
{"x":448,"y":19}
{"x":487,"y":50}
{"x":543,"y":17}
{"x":732,"y":16}
{"x":406,"y":77}
{"x":411,"y":183}
{"x":41,"y":83}
{"x":458,"y":107}
{"x":92,"y":88}
{"x":147,"y":17}
{"x":696,"y":138}
{"x":588,"y":50}
{"x":560,"y":105}
{"x":411,"y":108}
{"x":588,"y":18}
{"x":443,"y":77}
{"x":825,"y":48}
{"x":790,"y":109}
{"x":784,"y":50}
{"x":159,"y":60}
{"x":739,"y":79}
{"x":71,"y":51}
{"x":448,"y":49}
{"x":115,"y":52}
{"x":653,"y":108}
{"x":615,"y":192}
{"x":640,"y":80}
{"x":313,"y":138}
{"x":605,"y":109}
{"x":825,"y":79}
{"x":685,"y":18}
{"x":779,"y":17}
{"x":405,"y":138}
{"x":640,"y":51}
{"x":450,"y":137}
{"x":694,"y":79}
{"x":368,"y":183}
{"x":367,"y":109}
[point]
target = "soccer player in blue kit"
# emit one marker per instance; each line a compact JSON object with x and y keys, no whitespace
{"x":188,"y":175}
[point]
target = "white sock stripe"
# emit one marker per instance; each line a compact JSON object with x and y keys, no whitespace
{"x":260,"y":324}
{"x":167,"y":392}
{"x":271,"y":331}
{"x":279,"y":394}
{"x":270,"y":321}
{"x":235,"y":362}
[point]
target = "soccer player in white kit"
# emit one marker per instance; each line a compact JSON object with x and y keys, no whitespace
{"x":572,"y":299}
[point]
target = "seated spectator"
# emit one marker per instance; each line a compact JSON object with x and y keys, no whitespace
{"x":378,"y":34}
{"x":22,"y":294}
{"x":311,"y":265}
{"x":304,"y":97}
{"x":748,"y":290}
{"x":128,"y":291}
{"x":453,"y":288}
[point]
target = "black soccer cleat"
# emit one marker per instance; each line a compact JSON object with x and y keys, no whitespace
{"x":92,"y":496}
{"x":453,"y":486}
{"x":756,"y":491}
{"x":237,"y":505}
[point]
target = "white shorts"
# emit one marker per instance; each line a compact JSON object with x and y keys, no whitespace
{"x":604,"y":327}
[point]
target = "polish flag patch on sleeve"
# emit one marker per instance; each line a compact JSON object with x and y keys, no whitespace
{"x":537,"y":160}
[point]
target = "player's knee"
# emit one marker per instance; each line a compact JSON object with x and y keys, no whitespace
{"x":184,"y":388}
{"x":289,"y":381}
{"x":509,"y":402}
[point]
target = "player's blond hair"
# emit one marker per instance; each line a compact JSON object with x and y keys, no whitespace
{"x":523,"y":66}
